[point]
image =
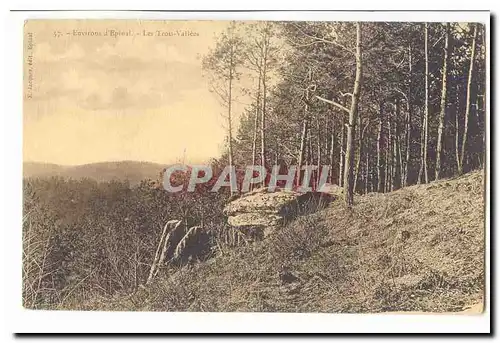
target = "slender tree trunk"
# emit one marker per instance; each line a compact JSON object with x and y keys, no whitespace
{"x":400,"y":161}
{"x":348,"y":181}
{"x":303,"y":141}
{"x":229,"y":119}
{"x":264,"y":104}
{"x":318,"y":150}
{"x":256,"y":128}
{"x":395,"y":142}
{"x":425,"y":126}
{"x":367,"y":172}
{"x":332,"y":152}
{"x":254,"y":140}
{"x":256,"y":123}
{"x":388,"y":155}
{"x":408,"y":119}
{"x":468,"y":103}
{"x":457,"y":130}
{"x":263,"y":137}
{"x":442,"y":113}
{"x":380,"y":169}
{"x":276,"y":153}
{"x":360,"y":150}
{"x":309,"y":158}
{"x":341,"y":154}
{"x":396,"y":167}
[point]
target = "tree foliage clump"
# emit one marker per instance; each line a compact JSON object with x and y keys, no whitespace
{"x":385,"y":105}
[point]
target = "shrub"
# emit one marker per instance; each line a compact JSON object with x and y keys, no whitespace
{"x":81,"y":237}
{"x":299,"y":239}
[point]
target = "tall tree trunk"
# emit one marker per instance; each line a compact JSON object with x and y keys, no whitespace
{"x":309,"y":158}
{"x":276,"y":153}
{"x":256,"y":123}
{"x":341,"y":154}
{"x":367,"y":172}
{"x":400,"y":162}
{"x":332,"y":152}
{"x":479,"y":115}
{"x":408,"y":119}
{"x":264,"y":104}
{"x":256,"y":127}
{"x":318,"y":150}
{"x":457,"y":129}
{"x":425,"y":124}
{"x":263,"y":137}
{"x":348,"y":180}
{"x":229,"y":119}
{"x":303,"y":142}
{"x":380,"y":169}
{"x":442,"y":113}
{"x":396,"y":167}
{"x":388,"y":156}
{"x":468,"y":103}
{"x":360,"y":150}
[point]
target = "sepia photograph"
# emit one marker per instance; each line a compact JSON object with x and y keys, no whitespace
{"x":254,"y":166}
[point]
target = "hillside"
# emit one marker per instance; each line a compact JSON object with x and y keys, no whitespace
{"x":416,"y":249}
{"x":133,"y":171}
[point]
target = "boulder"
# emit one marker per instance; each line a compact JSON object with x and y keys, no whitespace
{"x":267,"y":210}
{"x":262,"y":201}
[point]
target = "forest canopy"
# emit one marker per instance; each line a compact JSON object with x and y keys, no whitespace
{"x":385,"y":104}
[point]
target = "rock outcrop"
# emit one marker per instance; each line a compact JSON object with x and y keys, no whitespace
{"x":267,"y":210}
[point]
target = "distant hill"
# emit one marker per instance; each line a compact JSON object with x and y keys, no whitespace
{"x":133,"y":171}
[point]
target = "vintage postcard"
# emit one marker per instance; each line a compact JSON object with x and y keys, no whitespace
{"x":254,"y":166}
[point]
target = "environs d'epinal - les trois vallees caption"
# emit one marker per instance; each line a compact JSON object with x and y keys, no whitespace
{"x":126,"y":33}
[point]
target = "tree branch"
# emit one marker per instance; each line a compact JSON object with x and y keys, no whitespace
{"x":322,"y":40}
{"x":333,"y":103}
{"x":442,"y":36}
{"x":401,"y":92}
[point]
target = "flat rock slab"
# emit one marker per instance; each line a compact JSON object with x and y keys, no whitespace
{"x":278,"y":203}
{"x":262,"y":208}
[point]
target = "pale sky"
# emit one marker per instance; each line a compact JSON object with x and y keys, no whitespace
{"x":103,"y":98}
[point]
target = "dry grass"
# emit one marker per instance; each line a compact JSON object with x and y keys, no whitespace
{"x":417,"y":249}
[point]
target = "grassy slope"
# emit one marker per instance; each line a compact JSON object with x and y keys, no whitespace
{"x":417,"y":249}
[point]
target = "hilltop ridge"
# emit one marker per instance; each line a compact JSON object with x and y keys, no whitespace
{"x":133,"y":171}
